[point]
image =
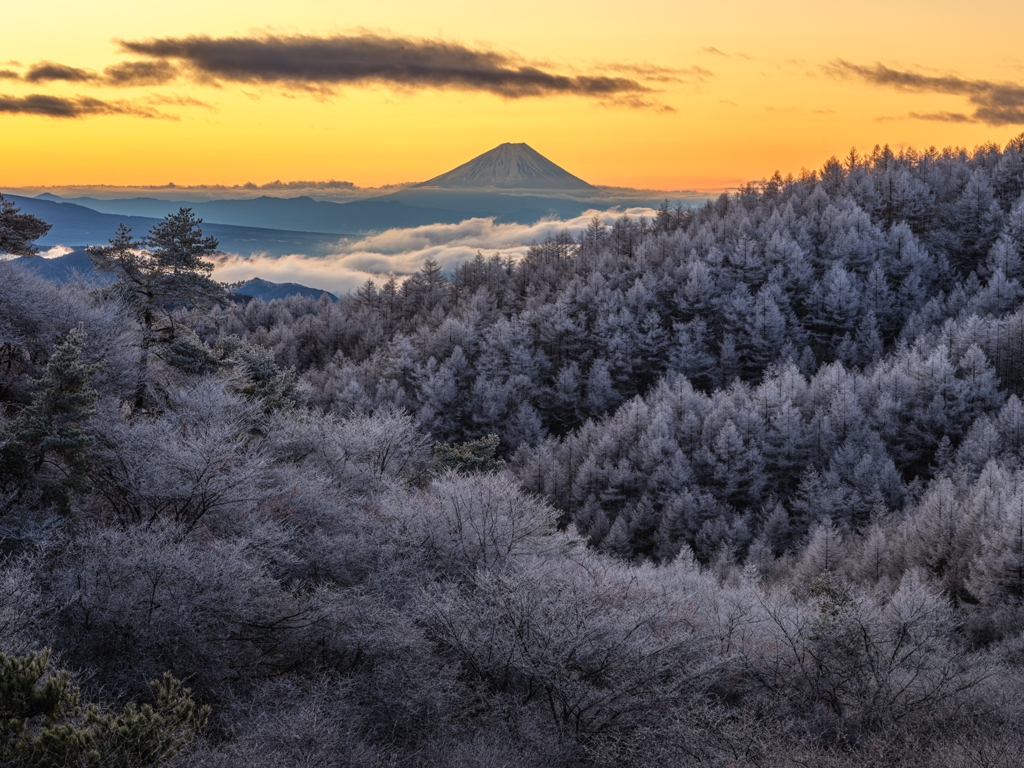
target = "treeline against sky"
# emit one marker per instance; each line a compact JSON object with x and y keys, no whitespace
{"x":762,"y":500}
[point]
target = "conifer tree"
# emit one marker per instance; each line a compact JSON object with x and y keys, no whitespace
{"x":264,"y":381}
{"x":469,"y":457}
{"x":19,"y":230}
{"x":42,"y":724}
{"x":163,"y":271}
{"x":998,"y":573}
{"x":49,"y":434}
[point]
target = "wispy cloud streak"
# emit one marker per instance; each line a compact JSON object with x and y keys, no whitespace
{"x":122,"y":75}
{"x":654,"y":73}
{"x":995,"y":103}
{"x":942,"y":117}
{"x":72,"y":107}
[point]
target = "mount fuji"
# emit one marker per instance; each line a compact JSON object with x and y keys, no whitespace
{"x":510,"y":167}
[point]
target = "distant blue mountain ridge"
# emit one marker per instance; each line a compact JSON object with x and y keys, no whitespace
{"x":294,"y":214}
{"x":76,"y":226}
{"x":75,"y":266}
{"x":512,"y":183}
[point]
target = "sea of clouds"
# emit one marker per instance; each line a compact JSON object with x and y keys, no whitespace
{"x":401,"y":252}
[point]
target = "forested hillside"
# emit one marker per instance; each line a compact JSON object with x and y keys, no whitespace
{"x":809,"y":349}
{"x":756,"y":497}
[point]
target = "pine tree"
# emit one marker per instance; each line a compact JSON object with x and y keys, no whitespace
{"x":19,"y":230}
{"x":262,"y":380}
{"x":470,"y":457}
{"x":42,"y":724}
{"x":164,"y":271}
{"x":45,"y":447}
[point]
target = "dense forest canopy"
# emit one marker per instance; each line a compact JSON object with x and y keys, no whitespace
{"x":825,"y":343}
{"x":738,"y":485}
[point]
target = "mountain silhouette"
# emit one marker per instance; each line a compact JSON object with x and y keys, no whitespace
{"x":509,"y":166}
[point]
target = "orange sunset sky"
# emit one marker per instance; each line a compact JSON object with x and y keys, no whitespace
{"x":665,"y":95}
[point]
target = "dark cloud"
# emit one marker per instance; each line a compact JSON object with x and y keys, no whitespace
{"x":714,"y":52}
{"x":46,"y":71}
{"x":122,"y":75}
{"x":994,"y":103}
{"x":9,"y":74}
{"x":364,"y":59}
{"x":942,"y":117}
{"x":133,"y":73}
{"x":79,"y":106}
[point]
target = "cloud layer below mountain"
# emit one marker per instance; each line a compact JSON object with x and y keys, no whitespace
{"x":402,"y":251}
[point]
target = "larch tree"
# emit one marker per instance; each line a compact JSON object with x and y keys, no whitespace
{"x":997,"y":573}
